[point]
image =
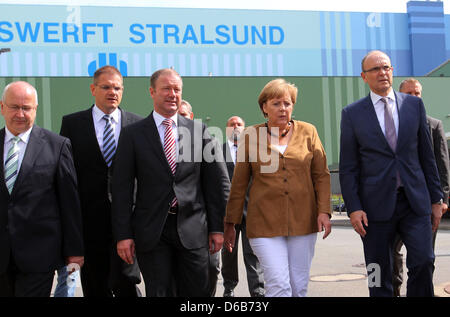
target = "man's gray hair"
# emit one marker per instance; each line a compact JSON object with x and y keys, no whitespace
{"x":188,"y":105}
{"x":5,"y":90}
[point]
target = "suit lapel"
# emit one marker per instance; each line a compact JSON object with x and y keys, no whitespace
{"x":403,"y":118}
{"x":91,"y":137}
{"x":35,"y":144}
{"x":152,"y":136}
{"x":2,"y":167}
{"x":431,"y":127}
{"x":228,"y":159}
{"x":373,"y":123}
{"x":124,"y":119}
{"x":184,"y":143}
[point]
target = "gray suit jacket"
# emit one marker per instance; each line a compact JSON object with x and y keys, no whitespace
{"x":40,"y":221}
{"x":441,"y":153}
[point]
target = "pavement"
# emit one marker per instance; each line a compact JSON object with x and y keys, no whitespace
{"x":338,"y":267}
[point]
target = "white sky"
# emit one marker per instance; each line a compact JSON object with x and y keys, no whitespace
{"x":308,"y":5}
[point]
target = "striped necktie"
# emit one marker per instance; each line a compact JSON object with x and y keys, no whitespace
{"x":109,"y":143}
{"x":169,"y":149}
{"x":11,"y":164}
{"x":390,"y":133}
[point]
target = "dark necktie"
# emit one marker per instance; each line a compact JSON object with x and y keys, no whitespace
{"x":109,"y":143}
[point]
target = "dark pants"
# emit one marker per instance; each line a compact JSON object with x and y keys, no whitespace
{"x":171,"y":270}
{"x":104,"y":274}
{"x":415,"y":231}
{"x":214,"y":270}
{"x":230,"y":271}
{"x":14,"y":283}
{"x":397,"y":273}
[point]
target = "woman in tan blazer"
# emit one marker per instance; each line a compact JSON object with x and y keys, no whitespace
{"x":285,"y":164}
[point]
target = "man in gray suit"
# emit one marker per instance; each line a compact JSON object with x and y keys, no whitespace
{"x":413,"y":87}
{"x":182,"y":190}
{"x":40,"y":214}
{"x":230,"y":273}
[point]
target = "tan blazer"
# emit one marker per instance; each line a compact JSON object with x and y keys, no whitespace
{"x":286,"y":201}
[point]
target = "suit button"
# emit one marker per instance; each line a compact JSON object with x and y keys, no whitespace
{"x":285,"y":180}
{"x":286,"y":193}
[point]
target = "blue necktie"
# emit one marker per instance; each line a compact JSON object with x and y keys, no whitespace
{"x":109,"y":143}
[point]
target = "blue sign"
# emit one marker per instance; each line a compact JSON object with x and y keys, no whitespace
{"x":74,"y":41}
{"x":102,"y":61}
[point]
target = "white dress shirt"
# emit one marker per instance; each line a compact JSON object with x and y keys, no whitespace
{"x":161,"y":128}
{"x":233,"y":150}
{"x":22,"y":144}
{"x":379,"y":109}
{"x":99,"y":124}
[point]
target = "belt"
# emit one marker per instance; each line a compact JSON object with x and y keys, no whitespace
{"x":173,"y":210}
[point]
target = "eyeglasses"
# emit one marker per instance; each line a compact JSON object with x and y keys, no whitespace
{"x":377,"y":69}
{"x":107,"y":87}
{"x":25,"y":109}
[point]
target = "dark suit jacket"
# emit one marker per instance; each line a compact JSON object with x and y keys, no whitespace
{"x":230,"y":167}
{"x":440,"y":149}
{"x":368,"y":166}
{"x":201,"y":187}
{"x":92,"y":172}
{"x":40,"y":222}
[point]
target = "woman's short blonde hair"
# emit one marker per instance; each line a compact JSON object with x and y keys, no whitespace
{"x":277,"y":88}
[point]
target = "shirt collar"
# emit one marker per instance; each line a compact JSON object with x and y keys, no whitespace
{"x":375,"y":98}
{"x":98,"y":114}
{"x":24,"y":136}
{"x":159,"y":118}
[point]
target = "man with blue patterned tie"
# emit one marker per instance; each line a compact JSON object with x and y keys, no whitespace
{"x":40,"y":216}
{"x":94,"y":134}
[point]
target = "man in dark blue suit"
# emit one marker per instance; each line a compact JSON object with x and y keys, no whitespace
{"x":389,"y":179}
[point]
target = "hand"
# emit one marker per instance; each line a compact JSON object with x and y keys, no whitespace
{"x":436,"y":215}
{"x":444,"y":208}
{"x":357,"y":219}
{"x":74,"y":263}
{"x":229,"y":236}
{"x":323,"y":222}
{"x":215,"y":242}
{"x":125,"y":249}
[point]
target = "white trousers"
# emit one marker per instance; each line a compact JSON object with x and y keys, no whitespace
{"x":286,"y":262}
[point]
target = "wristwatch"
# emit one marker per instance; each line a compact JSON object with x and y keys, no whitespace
{"x":440,"y":202}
